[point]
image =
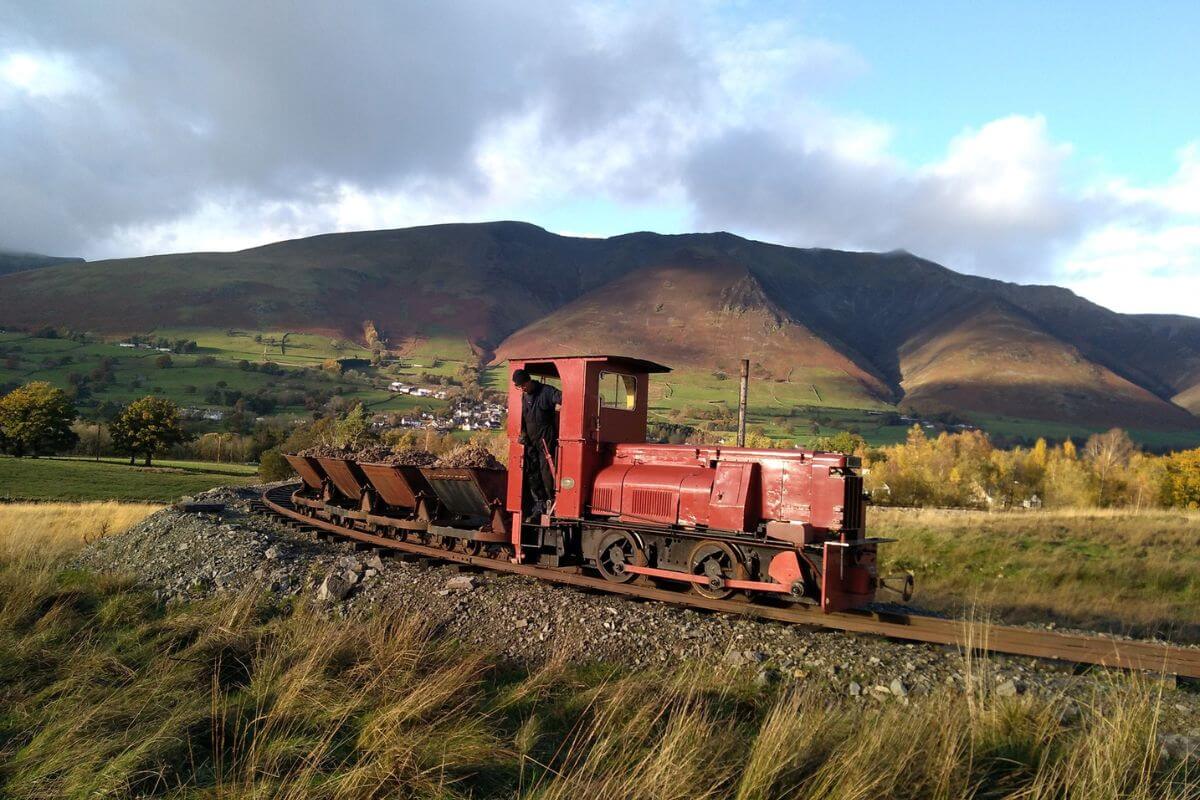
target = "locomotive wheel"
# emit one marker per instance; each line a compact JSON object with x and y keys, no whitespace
{"x":617,"y":549}
{"x":718,"y":562}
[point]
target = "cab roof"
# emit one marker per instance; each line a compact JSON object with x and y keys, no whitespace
{"x":625,"y":362}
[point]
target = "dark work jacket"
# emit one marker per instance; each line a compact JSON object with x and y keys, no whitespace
{"x":539,"y":419}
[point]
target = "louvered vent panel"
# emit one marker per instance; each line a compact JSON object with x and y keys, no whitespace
{"x":854,"y":516}
{"x":652,"y":504}
{"x":602,"y":500}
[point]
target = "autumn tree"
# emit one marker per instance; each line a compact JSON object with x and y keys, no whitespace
{"x":1067,"y":482}
{"x":1108,"y":454}
{"x":146,"y":427}
{"x":1181,"y":480}
{"x":36,"y":419}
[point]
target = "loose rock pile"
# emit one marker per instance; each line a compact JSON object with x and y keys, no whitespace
{"x":325,"y":451}
{"x":372,"y":454}
{"x":470,"y":455}
{"x":410,"y":458}
{"x":183,"y":556}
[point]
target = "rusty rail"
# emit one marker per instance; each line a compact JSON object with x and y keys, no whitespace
{"x":1082,"y":649}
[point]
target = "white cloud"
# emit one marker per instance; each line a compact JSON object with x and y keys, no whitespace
{"x":1007,"y":172}
{"x":995,"y":204}
{"x":41,"y":75}
{"x":1146,"y":257}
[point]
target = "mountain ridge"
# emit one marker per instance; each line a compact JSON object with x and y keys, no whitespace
{"x":17,"y":261}
{"x":854,"y":317}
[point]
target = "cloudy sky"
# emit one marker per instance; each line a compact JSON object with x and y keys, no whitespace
{"x":1034,"y":142}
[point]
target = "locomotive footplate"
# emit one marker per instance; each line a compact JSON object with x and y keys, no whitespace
{"x":734,"y":583}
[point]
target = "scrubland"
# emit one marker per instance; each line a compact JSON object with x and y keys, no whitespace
{"x":1116,"y":570}
{"x":108,"y":693}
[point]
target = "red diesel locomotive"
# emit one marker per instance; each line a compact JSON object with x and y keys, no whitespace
{"x":718,"y":520}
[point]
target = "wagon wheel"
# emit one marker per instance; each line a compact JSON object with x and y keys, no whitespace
{"x":450,"y":543}
{"x":718,"y":562}
{"x":618,"y":549}
{"x":468,"y":547}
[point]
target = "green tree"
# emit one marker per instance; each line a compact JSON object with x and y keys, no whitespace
{"x":35,"y":419}
{"x":841,"y":442}
{"x":272,"y":466}
{"x":146,"y":427}
{"x":354,"y":429}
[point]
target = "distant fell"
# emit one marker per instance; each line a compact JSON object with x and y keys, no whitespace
{"x":891,"y":327}
{"x":12,"y":261}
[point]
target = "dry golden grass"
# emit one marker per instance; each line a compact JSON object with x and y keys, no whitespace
{"x":47,"y":531}
{"x":109,"y":694}
{"x":650,"y":738}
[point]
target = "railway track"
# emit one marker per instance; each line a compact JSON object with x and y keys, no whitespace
{"x":1098,"y":650}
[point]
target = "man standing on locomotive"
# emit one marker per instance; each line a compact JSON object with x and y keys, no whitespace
{"x":540,"y":404}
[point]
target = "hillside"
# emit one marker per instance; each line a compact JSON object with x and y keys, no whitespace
{"x":870,"y":326}
{"x":11,"y":261}
{"x":992,"y":358}
{"x":1183,"y":333}
{"x":696,"y":313}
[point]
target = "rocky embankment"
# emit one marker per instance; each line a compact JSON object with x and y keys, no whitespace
{"x":191,"y":555}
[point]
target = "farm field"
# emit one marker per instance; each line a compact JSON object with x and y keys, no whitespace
{"x":108,"y":692}
{"x":205,"y":379}
{"x":1157,"y":439}
{"x":1120,"y":571}
{"x":83,"y":479}
{"x":205,"y":467}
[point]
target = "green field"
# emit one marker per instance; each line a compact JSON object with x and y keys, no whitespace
{"x":1028,"y":428}
{"x":201,"y":467}
{"x":79,"y":479}
{"x":299,"y":350}
{"x":191,"y":378}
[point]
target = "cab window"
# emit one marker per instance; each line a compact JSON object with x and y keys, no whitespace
{"x":618,"y":391}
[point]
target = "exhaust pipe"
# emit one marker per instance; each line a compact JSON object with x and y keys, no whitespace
{"x":743,"y":395}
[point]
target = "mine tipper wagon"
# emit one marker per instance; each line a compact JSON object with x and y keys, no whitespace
{"x":718,"y":521}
